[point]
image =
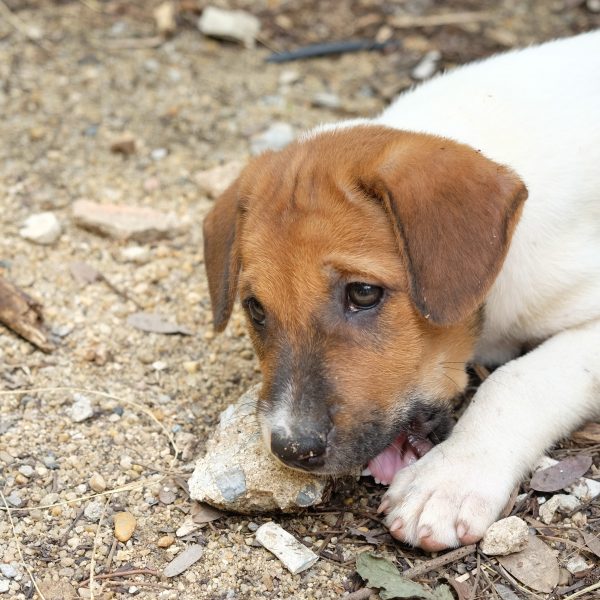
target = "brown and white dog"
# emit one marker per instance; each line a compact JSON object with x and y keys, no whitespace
{"x":376,"y":258}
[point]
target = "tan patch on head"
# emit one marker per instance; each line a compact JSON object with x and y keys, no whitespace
{"x":425,"y":218}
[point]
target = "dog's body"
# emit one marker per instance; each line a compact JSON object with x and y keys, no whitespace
{"x":455,"y":265}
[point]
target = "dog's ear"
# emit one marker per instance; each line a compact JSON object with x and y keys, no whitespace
{"x":454,"y":212}
{"x":221,"y":255}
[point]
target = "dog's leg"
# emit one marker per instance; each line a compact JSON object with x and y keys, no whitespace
{"x":459,"y":488}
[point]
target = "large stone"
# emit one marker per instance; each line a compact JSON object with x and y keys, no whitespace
{"x":505,"y":537}
{"x":239,"y":474}
{"x":122,"y":222}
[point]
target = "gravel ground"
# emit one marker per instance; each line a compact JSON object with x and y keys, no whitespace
{"x":97,"y":73}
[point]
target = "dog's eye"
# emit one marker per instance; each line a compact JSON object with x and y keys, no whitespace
{"x":362,"y":296}
{"x":256,"y":311}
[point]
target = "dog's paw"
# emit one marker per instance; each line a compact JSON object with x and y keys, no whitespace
{"x":446,"y":499}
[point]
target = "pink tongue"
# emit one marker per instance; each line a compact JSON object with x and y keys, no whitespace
{"x":402,"y":452}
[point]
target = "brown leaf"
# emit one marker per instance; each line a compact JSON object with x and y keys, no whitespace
{"x":155,"y":323}
{"x":535,"y":566}
{"x":590,"y":434}
{"x":592,"y":542}
{"x":203,"y":513}
{"x":561,"y":474}
{"x":462,"y":588}
{"x":84,"y":273}
{"x":23,"y":315}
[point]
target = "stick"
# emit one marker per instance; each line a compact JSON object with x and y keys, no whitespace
{"x":127,"y":573}
{"x":408,"y":21}
{"x":22,"y":314}
{"x":590,"y":588}
{"x":362,"y":594}
{"x":440,"y":561}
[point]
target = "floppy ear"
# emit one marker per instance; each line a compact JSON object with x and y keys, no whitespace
{"x":454,"y":212}
{"x":221,"y":255}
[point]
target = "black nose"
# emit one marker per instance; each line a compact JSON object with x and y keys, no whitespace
{"x":305,"y":451}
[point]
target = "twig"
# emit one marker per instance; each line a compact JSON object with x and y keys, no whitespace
{"x":127,"y":573}
{"x":590,"y":588}
{"x":110,"y":554}
{"x":458,"y":18}
{"x":440,"y":561}
{"x":476,"y":583}
{"x":18,"y":544}
{"x":330,"y":535}
{"x":63,"y":537}
{"x":362,"y":594}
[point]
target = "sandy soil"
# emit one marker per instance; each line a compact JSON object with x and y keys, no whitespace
{"x":95,"y":74}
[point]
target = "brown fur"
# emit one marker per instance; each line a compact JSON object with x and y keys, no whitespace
{"x":426,"y":218}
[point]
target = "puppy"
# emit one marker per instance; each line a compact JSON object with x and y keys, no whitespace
{"x":376,"y":258}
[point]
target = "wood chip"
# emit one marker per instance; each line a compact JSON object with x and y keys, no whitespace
{"x":535,"y":566}
{"x":23,"y":315}
{"x":562,"y":474}
{"x":590,"y":434}
{"x":184,"y":560}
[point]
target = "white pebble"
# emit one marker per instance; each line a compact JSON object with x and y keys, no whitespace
{"x":295,"y":556}
{"x":41,"y":228}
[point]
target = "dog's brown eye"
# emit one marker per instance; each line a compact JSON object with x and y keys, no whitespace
{"x":256,"y":311}
{"x":362,"y":296}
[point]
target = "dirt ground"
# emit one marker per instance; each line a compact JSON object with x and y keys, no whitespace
{"x":95,"y":71}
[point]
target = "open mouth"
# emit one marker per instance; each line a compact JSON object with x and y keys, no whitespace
{"x":409,"y":446}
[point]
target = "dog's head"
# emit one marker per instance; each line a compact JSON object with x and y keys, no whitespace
{"x":362,"y":257}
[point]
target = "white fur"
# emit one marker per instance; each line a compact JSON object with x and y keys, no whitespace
{"x":538,"y":111}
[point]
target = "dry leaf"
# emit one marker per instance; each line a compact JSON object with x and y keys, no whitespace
{"x":462,"y":588}
{"x":203,"y":513}
{"x":592,"y":542}
{"x":380,"y":573}
{"x":372,"y":537}
{"x":184,"y":560}
{"x":590,"y":434}
{"x":505,"y":593}
{"x":560,"y":475}
{"x":535,"y":566}
{"x":155,"y":323}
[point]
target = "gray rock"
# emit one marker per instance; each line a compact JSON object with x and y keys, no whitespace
{"x":42,"y":228}
{"x":239,"y":474}
{"x":122,"y":222}
{"x":8,"y":570}
{"x":14,"y":499}
{"x":26,"y":470}
{"x":4,"y":586}
{"x":81,"y":409}
{"x":296,"y":557}
{"x":427,"y":66}
{"x":275,"y":137}
{"x":93,"y":511}
{"x":235,"y":25}
{"x":505,"y":537}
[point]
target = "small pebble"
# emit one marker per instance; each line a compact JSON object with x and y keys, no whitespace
{"x":124,"y":525}
{"x":124,"y":145}
{"x":97,"y":483}
{"x":41,"y":228}
{"x":26,"y":470}
{"x":159,"y":153}
{"x":576,"y":564}
{"x":165,"y":541}
{"x":8,"y":570}
{"x":4,"y":586}
{"x":93,"y":511}
{"x":81,"y":409}
{"x":326,"y":100}
{"x":427,"y":67}
{"x":14,"y":499}
{"x":135,"y":254}
{"x":252,"y":526}
{"x":236,"y":25}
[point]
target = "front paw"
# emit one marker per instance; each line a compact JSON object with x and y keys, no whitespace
{"x":447,"y":498}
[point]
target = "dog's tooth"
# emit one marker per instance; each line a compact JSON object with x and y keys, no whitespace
{"x":366,"y":472}
{"x":376,"y":480}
